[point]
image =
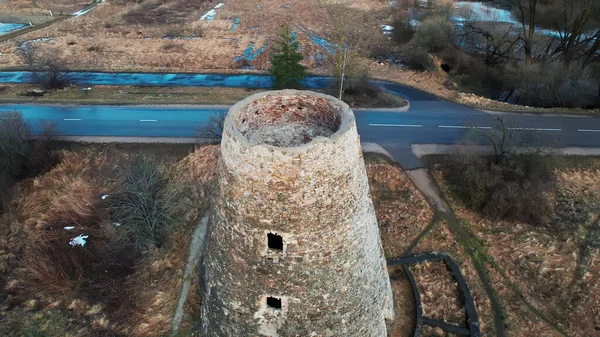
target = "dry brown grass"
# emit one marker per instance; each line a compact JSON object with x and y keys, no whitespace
{"x":439,"y":293}
{"x":541,"y":265}
{"x":581,"y":181}
{"x":405,"y":319}
{"x":66,"y":6}
{"x":104,"y":284}
{"x":21,"y":7}
{"x":163,"y":278}
{"x":402,"y":211}
{"x":441,"y":239}
{"x":134,"y":34}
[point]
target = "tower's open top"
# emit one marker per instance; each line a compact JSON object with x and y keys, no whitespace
{"x":287,"y":118}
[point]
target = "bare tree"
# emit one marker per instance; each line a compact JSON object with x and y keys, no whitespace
{"x":495,"y":43}
{"x":52,"y":74}
{"x":505,"y":139}
{"x":213,"y":128}
{"x":527,"y":12}
{"x":28,"y":53}
{"x":576,"y":34}
{"x":50,"y":69}
{"x":351,"y":41}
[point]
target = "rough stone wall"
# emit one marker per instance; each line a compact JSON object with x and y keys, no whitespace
{"x":330,"y":276}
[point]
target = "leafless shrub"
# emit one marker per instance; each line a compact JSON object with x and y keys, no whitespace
{"x":213,"y":128}
{"x":146,"y":204}
{"x":473,"y":74}
{"x":14,"y":151}
{"x":510,"y":185}
{"x":42,"y":154}
{"x":174,"y":31}
{"x":95,"y":48}
{"x":554,"y":84}
{"x":52,"y":74}
{"x":28,"y":53}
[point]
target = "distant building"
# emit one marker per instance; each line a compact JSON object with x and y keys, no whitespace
{"x":293,"y":247}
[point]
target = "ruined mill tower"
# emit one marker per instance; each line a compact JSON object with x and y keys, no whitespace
{"x":293,"y":246}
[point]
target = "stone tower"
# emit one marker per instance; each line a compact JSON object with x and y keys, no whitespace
{"x":293,"y":246}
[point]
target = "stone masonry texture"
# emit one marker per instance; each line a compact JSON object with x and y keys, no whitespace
{"x":292,"y":168}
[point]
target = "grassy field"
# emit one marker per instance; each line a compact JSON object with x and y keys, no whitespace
{"x":168,"y":36}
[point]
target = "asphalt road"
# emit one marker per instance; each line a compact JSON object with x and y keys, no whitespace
{"x":429,"y":120}
{"x":426,"y":122}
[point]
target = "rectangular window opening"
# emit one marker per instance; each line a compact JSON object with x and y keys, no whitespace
{"x":274,"y":303}
{"x":275,"y":241}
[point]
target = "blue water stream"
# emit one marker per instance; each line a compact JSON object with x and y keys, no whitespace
{"x":164,"y":80}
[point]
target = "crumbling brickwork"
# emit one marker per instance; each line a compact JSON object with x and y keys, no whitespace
{"x":293,"y":246}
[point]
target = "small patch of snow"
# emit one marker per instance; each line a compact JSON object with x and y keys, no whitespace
{"x":78,"y":241}
{"x":69,"y":227}
{"x":208,"y":16}
{"x":117,"y":224}
{"x":104,"y":197}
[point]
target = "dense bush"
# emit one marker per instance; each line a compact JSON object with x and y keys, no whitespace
{"x":473,"y":74}
{"x":417,"y":58}
{"x":554,"y":84}
{"x":507,"y":185}
{"x":145,"y":204}
{"x":515,"y":189}
{"x":434,"y":34}
{"x":21,"y":157}
{"x":403,"y":31}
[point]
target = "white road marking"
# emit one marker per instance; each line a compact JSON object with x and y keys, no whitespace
{"x":534,"y":129}
{"x":148,"y":120}
{"x":463,"y":127}
{"x":72,"y":119}
{"x":399,"y":125}
{"x":588,"y":130}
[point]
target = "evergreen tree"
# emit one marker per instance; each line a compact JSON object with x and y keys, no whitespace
{"x":287,"y":70}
